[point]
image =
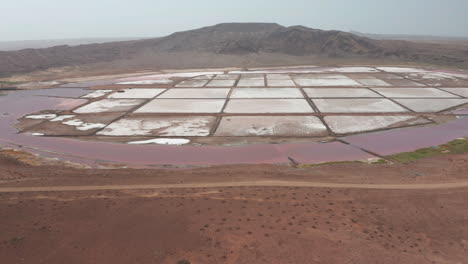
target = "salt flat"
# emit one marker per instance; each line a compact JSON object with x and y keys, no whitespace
{"x":161,"y":126}
{"x":97,"y":94}
{"x":188,"y":93}
{"x":271,"y":126}
{"x":355,"y":124}
{"x":268,"y":106}
{"x":266,"y":93}
{"x":183,"y":106}
{"x":412,"y":92}
{"x":326,"y":82}
{"x":251,"y":83}
{"x":357,"y":106}
{"x":221,"y":83}
{"x":430,"y":105}
{"x":137,"y":93}
{"x":109,"y":105}
{"x":340,"y":92}
{"x":193,"y":83}
{"x":459,"y":91}
{"x":276,"y":83}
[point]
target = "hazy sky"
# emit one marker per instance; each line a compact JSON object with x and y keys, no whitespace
{"x":55,"y":19}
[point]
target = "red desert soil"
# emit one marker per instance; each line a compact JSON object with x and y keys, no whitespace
{"x":236,"y":224}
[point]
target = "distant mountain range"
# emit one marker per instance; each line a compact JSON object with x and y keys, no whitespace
{"x":233,"y":44}
{"x":47,"y":43}
{"x":415,"y":38}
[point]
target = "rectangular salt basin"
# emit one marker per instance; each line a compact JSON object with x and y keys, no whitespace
{"x":268,"y":106}
{"x":319,"y":76}
{"x":188,"y":93}
{"x":227,"y":77}
{"x":137,"y":93}
{"x":354,"y":124}
{"x":412,"y":92}
{"x":286,"y":126}
{"x":277,"y":83}
{"x":327,"y":82}
{"x":203,"y":77}
{"x":357,"y":106}
{"x":221,"y":83}
{"x":373,"y":82}
{"x":252,"y":76}
{"x":404,"y":83}
{"x":431,"y":105}
{"x":183,"y":106}
{"x":192,"y":83}
{"x":251,"y":83}
{"x":278,"y":77}
{"x":339,"y":92}
{"x":109,"y":105}
{"x":161,"y":126}
{"x":266,"y":93}
{"x":460,"y":91}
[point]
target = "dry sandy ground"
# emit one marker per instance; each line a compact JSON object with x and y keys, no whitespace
{"x":237,"y":224}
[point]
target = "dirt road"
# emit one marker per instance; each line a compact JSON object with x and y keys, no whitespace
{"x":427,"y":186}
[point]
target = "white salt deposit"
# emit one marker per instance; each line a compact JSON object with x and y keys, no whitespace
{"x":400,"y":69}
{"x":339,"y":92}
{"x":266,"y":93}
{"x":279,"y":83}
{"x":373,"y":82}
{"x":271,"y":126}
{"x":251,"y":83}
{"x":38,"y":117}
{"x":268,"y":106}
{"x":357,"y":106}
{"x":203,"y":77}
{"x":436,"y":76}
{"x":278,"y":77}
{"x":109,"y":105}
{"x":227,"y":77}
{"x":431,"y":105}
{"x":143,"y":82}
{"x":221,"y":83}
{"x":192,"y":83}
{"x":161,"y":141}
{"x":97,"y":94}
{"x":196,"y":93}
{"x":161,"y":126}
{"x":61,"y":118}
{"x":327,"y":82}
{"x":413,"y":92}
{"x":460,"y":91}
{"x":80,"y":125}
{"x":352,"y":69}
{"x":183,"y":106}
{"x":137,"y":93}
{"x":162,"y":76}
{"x":354,"y":124}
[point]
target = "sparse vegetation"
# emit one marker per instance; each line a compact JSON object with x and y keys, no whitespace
{"x":453,"y":147}
{"x":379,"y":161}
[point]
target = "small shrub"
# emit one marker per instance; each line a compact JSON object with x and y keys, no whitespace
{"x":183,"y":261}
